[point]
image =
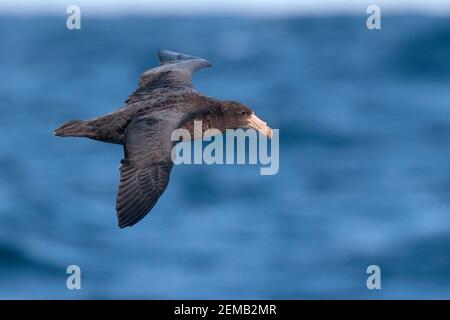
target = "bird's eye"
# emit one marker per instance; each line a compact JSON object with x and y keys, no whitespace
{"x":245,"y":113}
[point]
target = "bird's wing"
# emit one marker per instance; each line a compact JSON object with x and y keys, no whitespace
{"x":145,"y":171}
{"x":175,"y":71}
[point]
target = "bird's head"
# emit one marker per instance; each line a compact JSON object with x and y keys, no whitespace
{"x":240,"y":116}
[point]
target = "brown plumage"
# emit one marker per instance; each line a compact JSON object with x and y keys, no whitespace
{"x":164,"y":101}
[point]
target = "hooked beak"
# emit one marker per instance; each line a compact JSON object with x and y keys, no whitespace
{"x":256,"y":123}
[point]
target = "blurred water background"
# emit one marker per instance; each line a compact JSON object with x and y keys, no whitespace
{"x":364,"y":160}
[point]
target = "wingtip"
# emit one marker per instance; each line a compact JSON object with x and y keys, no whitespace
{"x":168,"y":56}
{"x":123,"y":224}
{"x":126,"y":224}
{"x":207,"y":63}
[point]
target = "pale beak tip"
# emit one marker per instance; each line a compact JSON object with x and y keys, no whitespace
{"x":257,"y":124}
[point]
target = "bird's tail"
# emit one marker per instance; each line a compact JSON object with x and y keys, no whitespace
{"x":75,"y":128}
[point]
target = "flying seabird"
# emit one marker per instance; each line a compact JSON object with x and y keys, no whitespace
{"x":165,"y":100}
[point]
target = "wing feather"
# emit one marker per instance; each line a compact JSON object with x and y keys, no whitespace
{"x":145,"y":171}
{"x":175,"y":71}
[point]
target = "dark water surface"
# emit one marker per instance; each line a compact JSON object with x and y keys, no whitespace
{"x":364,"y":161}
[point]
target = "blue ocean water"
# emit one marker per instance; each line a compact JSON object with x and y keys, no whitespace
{"x":364,"y":161}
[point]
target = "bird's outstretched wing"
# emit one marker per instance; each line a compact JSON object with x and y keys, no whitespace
{"x":175,"y":71}
{"x":145,"y":171}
